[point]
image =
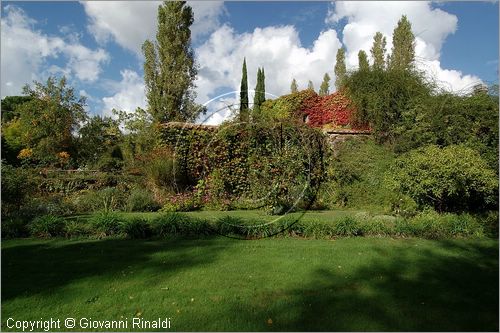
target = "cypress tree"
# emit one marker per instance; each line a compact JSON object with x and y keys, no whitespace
{"x":363,"y":61}
{"x":403,"y":46}
{"x":324,"y":89}
{"x":293,"y":87}
{"x":257,"y":99}
{"x":244,"y":93}
{"x":340,"y":68}
{"x":378,"y":51}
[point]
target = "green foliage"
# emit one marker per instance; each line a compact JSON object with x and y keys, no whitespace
{"x":363,"y":61}
{"x":14,"y":227}
{"x":260,"y":94}
{"x":265,"y":161}
{"x":75,"y":228}
{"x":169,"y":67}
{"x":244,"y":93}
{"x":378,"y":51}
{"x":136,"y":228}
{"x":47,"y":121}
{"x":448,"y":179}
{"x":294,"y":87}
{"x":403,"y":46}
{"x":17,"y":185}
{"x":174,"y":224}
{"x":286,"y":106}
{"x":141,"y":134}
{"x":106,"y":200}
{"x":340,"y":68}
{"x":182,"y":202}
{"x":97,"y":137}
{"x":141,"y":200}
{"x":10,"y":105}
{"x":47,"y":226}
{"x":381,"y":98}
{"x":162,"y":170}
{"x":356,"y":176}
{"x":347,"y":226}
{"x":310,"y":85}
{"x":447,"y":119}
{"x":106,"y":223}
{"x":324,"y":89}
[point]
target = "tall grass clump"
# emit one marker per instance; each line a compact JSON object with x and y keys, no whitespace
{"x":47,"y":226}
{"x":106,"y":223}
{"x":136,"y":228}
{"x":175,"y":224}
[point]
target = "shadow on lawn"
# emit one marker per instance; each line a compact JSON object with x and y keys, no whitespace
{"x":412,"y":290}
{"x":44,"y":267}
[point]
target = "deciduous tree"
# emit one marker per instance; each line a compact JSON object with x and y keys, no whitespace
{"x":169,"y":67}
{"x":340,"y":68}
{"x":378,"y":51}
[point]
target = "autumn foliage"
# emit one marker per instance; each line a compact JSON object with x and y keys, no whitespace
{"x":334,"y":109}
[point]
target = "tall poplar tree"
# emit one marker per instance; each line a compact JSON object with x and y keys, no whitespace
{"x":340,"y":68}
{"x":169,"y":67}
{"x":364,"y":65}
{"x":403,"y":46}
{"x":310,"y":85}
{"x":324,"y":89}
{"x":244,"y":93}
{"x":378,"y":51}
{"x":293,"y":87}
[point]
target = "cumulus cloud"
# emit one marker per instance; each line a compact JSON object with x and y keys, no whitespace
{"x":130,"y":23}
{"x":277,"y":49}
{"x":128,"y":93}
{"x":431,"y":27}
{"x":26,"y":50}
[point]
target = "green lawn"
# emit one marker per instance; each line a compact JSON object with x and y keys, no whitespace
{"x":265,"y":285}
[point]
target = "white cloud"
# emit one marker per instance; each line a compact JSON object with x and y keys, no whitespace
{"x":431,"y":27}
{"x":129,"y":94}
{"x":277,"y":49}
{"x":130,"y":23}
{"x":25,"y":51}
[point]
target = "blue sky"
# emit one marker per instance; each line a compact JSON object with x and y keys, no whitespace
{"x":97,"y":45}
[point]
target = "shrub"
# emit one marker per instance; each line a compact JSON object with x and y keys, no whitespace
{"x":465,"y":225}
{"x":141,"y":200}
{"x":107,"y":200}
{"x":174,"y":224}
{"x":106,"y":223}
{"x":182,"y":202}
{"x":76,"y":229}
{"x":49,"y":205}
{"x":47,"y":226}
{"x":356,"y":174}
{"x":447,"y":179}
{"x":347,"y":226}
{"x":136,"y":228}
{"x":17,"y":185}
{"x":14,"y":227}
{"x":162,"y":170}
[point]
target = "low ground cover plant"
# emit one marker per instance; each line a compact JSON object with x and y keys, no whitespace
{"x":429,"y":224}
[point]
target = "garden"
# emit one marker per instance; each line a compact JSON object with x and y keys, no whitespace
{"x":259,"y":223}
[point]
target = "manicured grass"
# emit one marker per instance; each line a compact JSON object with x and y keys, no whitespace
{"x":264,"y":285}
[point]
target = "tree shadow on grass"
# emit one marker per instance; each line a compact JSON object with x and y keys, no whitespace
{"x":46,"y":266}
{"x":453,"y":287}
